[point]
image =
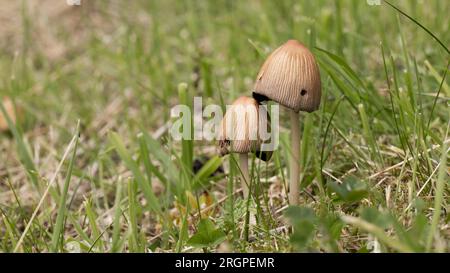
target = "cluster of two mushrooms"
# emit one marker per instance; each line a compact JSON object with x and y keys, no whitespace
{"x":290,"y":76}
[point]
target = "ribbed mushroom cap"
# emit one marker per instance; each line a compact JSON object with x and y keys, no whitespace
{"x":291,"y":77}
{"x":239,"y":129}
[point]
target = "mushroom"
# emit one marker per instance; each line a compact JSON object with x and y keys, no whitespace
{"x":239,"y":133}
{"x":290,"y":76}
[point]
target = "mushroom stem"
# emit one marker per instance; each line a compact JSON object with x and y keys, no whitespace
{"x":245,"y":177}
{"x":294,"y":158}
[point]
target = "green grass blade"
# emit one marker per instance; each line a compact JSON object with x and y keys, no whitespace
{"x":60,"y":219}
{"x":24,"y":154}
{"x":186,"y":144}
{"x":132,"y":218}
{"x":420,"y":25}
{"x":132,"y":165}
{"x":369,"y":134}
{"x":117,"y":215}
{"x":442,"y":181}
{"x":150,"y":168}
{"x":378,"y":232}
{"x":437,"y":95}
{"x":201,"y":177}
{"x":95,"y":231}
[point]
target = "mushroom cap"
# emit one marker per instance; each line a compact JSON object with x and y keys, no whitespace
{"x":291,"y":77}
{"x":239,"y":129}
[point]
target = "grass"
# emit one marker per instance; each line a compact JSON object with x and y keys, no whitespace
{"x":373,"y":157}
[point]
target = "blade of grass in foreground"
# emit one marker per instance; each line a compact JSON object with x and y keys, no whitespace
{"x":133,"y":243}
{"x":150,"y":168}
{"x":10,"y":231}
{"x":420,"y":25}
{"x":50,"y":184}
{"x":183,"y":229}
{"x":230,"y":206}
{"x":95,"y":231}
{"x":117,"y":215}
{"x":440,"y":185}
{"x":24,"y":154}
{"x":187,"y":147}
{"x":376,"y":231}
{"x":79,"y":229}
{"x":368,"y":134}
{"x":59,"y":228}
{"x":160,"y":154}
{"x":437,"y":96}
{"x":132,"y":165}
{"x":170,"y":170}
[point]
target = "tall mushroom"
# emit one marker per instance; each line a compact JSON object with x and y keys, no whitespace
{"x":239,"y":133}
{"x":290,"y":76}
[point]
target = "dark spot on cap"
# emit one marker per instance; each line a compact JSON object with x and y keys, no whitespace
{"x":259,"y":98}
{"x":264,"y":155}
{"x":303,"y":92}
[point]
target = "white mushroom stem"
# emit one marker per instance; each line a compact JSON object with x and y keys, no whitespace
{"x":294,"y":159}
{"x":245,"y":177}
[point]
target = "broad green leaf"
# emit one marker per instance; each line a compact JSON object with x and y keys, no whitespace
{"x":207,"y":235}
{"x":374,"y":216}
{"x":304,"y":222}
{"x":351,"y":190}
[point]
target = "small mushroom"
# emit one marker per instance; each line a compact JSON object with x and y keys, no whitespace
{"x":291,"y":77}
{"x":239,"y":133}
